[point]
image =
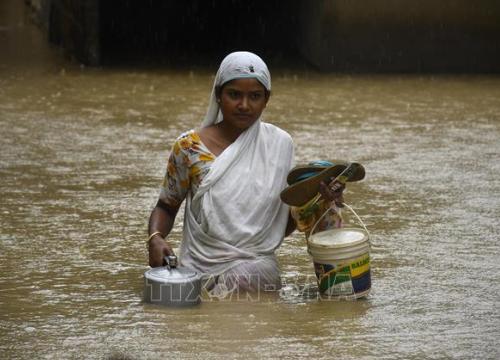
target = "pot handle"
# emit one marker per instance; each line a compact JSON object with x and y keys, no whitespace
{"x":171,"y":261}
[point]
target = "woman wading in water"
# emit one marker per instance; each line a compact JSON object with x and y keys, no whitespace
{"x":230,"y":171}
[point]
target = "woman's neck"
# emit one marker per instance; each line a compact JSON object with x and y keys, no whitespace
{"x":228,"y":133}
{"x":219,"y":136}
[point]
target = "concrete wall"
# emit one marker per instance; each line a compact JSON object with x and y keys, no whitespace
{"x":72,"y":24}
{"x":334,"y":35}
{"x":396,"y":35}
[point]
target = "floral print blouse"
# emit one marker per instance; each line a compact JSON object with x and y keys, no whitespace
{"x":307,"y":215}
{"x":188,"y":163}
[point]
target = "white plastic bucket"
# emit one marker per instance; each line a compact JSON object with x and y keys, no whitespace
{"x":341,"y":260}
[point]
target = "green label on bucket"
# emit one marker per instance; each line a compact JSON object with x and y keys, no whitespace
{"x":345,"y":281}
{"x":335,"y":281}
{"x":360,"y":263}
{"x":342,"y":289}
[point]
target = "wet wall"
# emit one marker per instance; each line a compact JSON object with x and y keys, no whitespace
{"x":196,"y":31}
{"x":332,"y":35}
{"x":402,"y":36}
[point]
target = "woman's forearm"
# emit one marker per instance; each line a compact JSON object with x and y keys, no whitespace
{"x":162,"y":219}
{"x":291,"y":225}
{"x":161,"y":222}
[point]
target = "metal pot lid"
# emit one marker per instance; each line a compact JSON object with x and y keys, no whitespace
{"x":169,"y":275}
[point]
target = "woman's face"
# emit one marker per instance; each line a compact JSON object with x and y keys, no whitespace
{"x":242,"y":102}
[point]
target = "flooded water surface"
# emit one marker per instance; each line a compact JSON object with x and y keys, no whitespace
{"x":83,"y":153}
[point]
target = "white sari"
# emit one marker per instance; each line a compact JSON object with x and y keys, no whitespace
{"x":236,"y":220}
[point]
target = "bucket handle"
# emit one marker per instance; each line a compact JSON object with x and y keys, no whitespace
{"x":326,"y":212}
{"x":358,"y":218}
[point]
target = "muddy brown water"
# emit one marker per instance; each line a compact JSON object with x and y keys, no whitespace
{"x":83,"y":153}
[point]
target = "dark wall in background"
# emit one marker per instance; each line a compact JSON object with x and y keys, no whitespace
{"x":400,"y":35}
{"x":196,"y":30}
{"x":332,"y":35}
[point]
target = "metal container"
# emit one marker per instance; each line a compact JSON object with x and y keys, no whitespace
{"x":171,"y":285}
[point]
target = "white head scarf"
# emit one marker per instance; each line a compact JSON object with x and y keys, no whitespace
{"x":237,"y":65}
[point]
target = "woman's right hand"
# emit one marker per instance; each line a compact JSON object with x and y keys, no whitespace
{"x":158,"y":249}
{"x":332,"y":192}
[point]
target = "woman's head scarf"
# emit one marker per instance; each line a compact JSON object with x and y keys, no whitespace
{"x":237,"y":65}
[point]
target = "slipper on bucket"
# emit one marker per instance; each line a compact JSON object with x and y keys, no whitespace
{"x":301,"y":191}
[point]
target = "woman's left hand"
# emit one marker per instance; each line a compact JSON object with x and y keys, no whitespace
{"x":332,"y":192}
